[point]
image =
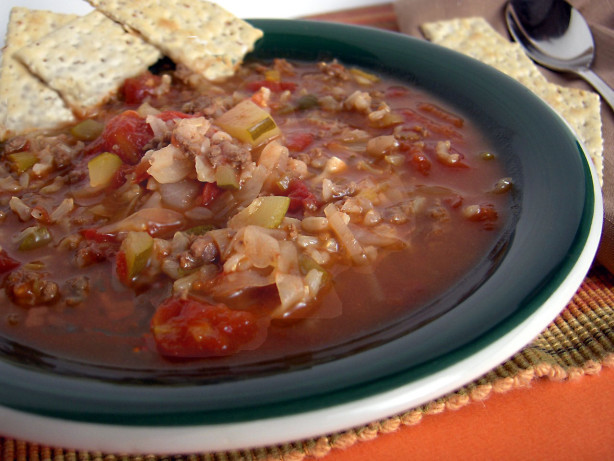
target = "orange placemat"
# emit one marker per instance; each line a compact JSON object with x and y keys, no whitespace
{"x":578,"y":342}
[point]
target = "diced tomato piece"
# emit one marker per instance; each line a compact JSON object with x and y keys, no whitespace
{"x":298,"y":142}
{"x":42,"y":214}
{"x":396,"y":92}
{"x":137,"y":89}
{"x":121,"y":267}
{"x":95,"y":236}
{"x":301,"y":197}
{"x":119,"y":178}
{"x":483,"y":213}
{"x":139,"y":171}
{"x":421,"y":163}
{"x":172,"y":114}
{"x":275,"y":87}
{"x":187,"y":328}
{"x":7,"y":263}
{"x":209,"y":193}
{"x":417,"y":158}
{"x":126,"y":135}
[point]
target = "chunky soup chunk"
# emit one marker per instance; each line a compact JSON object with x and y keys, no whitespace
{"x":294,"y":207}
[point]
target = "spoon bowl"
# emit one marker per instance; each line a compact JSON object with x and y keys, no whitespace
{"x":555,"y":35}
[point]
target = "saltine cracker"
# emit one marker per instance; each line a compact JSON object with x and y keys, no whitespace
{"x":475,"y":37}
{"x":26,"y":103}
{"x":197,"y":34}
{"x":88,"y":59}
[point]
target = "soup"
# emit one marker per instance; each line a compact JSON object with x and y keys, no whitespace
{"x":294,"y":208}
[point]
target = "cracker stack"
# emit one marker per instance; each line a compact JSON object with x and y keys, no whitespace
{"x":202,"y":36}
{"x":57,"y":68}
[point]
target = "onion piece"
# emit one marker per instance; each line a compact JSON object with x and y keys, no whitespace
{"x":288,"y":258}
{"x":345,"y":236}
{"x":155,"y":221}
{"x":381,"y":235}
{"x":169,"y":165}
{"x":157,"y":125}
{"x":180,"y":195}
{"x":62,"y":210}
{"x":236,"y":282}
{"x":260,"y":248}
{"x":273,"y":156}
{"x":20,"y":208}
{"x":291,"y":289}
{"x":314,"y":281}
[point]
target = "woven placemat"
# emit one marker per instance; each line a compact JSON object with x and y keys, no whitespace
{"x":579,"y":341}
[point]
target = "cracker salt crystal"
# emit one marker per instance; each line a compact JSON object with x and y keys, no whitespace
{"x":476,"y":38}
{"x":197,"y":34}
{"x":88,"y":59}
{"x":26,"y":103}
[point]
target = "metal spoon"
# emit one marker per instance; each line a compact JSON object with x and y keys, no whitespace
{"x":555,"y":35}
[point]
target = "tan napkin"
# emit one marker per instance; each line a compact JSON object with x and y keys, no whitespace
{"x":600,"y":16}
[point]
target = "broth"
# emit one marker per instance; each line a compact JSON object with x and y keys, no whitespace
{"x":377,"y":200}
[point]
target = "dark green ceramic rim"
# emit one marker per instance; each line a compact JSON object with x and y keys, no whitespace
{"x":555,"y":211}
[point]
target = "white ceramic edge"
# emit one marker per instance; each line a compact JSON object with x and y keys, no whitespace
{"x":163,"y":440}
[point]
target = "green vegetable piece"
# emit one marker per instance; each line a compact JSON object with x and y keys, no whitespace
{"x":87,"y":130}
{"x":309,"y":101}
{"x":102,"y":168}
{"x":138,"y":247}
{"x":22,"y":161}
{"x":200,"y":230}
{"x":226,"y":177}
{"x":249,"y":123}
{"x":261,"y":128}
{"x":307,"y":263}
{"x":268,"y":211}
{"x":34,"y":237}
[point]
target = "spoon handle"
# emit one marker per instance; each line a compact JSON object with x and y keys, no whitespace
{"x":602,"y":87}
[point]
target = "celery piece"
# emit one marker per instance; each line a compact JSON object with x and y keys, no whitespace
{"x":87,"y":130}
{"x":34,"y":237}
{"x":22,"y":161}
{"x":137,"y":247}
{"x":362,"y":77}
{"x":201,"y":229}
{"x":309,"y":101}
{"x":307,"y":263}
{"x":248,"y":123}
{"x":261,"y":128}
{"x":102,"y":168}
{"x":226,"y":177}
{"x":272,"y":75}
{"x":268,"y":211}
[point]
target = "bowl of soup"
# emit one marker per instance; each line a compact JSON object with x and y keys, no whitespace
{"x":354,"y":223}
